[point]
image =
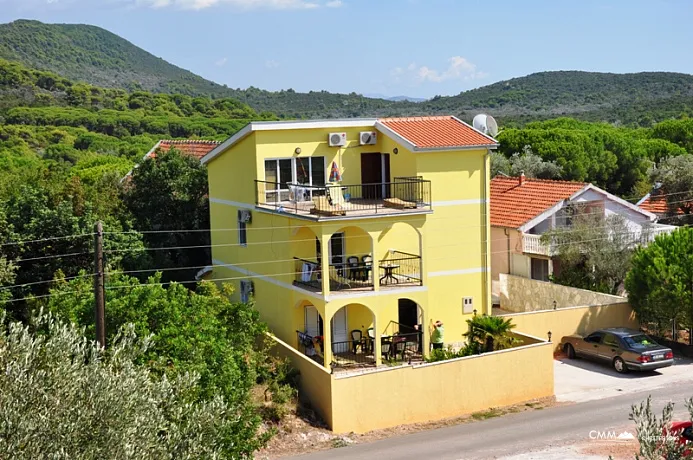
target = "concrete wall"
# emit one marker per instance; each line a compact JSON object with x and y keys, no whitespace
{"x":574,"y":320}
{"x":428,"y":392}
{"x":518,"y":294}
{"x":503,"y":247}
{"x":315,"y":381}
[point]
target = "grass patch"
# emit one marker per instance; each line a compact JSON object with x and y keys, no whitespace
{"x":486,"y":414}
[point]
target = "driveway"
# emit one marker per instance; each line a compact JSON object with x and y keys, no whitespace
{"x":579,"y":380}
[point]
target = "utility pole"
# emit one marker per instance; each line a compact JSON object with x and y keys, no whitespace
{"x":99,"y":297}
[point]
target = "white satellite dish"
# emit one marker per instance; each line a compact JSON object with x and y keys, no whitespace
{"x":486,"y":124}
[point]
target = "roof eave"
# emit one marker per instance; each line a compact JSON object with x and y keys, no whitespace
{"x":614,"y":198}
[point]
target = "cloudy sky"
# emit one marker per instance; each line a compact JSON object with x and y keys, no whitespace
{"x":416,"y":48}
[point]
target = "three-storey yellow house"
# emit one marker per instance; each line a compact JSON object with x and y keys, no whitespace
{"x":354,"y":236}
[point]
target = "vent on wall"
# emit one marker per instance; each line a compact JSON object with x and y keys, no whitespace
{"x":468,"y":305}
{"x":337,"y":139}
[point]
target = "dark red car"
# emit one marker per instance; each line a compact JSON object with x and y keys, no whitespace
{"x":684,"y":432}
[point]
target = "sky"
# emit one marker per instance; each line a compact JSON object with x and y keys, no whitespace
{"x":417,"y":48}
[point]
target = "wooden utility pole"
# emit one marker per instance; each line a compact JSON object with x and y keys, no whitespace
{"x":99,"y":297}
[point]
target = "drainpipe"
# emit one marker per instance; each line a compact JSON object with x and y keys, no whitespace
{"x":507,"y":236}
{"x":486,"y":206}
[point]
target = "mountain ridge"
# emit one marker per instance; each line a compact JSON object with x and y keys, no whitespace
{"x":96,"y":56}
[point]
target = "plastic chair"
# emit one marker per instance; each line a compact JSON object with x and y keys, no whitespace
{"x":356,"y":340}
{"x":367,"y":266}
{"x":355,"y":268}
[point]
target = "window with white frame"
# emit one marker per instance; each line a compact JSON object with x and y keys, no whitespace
{"x":281,"y":173}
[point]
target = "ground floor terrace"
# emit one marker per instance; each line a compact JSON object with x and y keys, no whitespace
{"x":357,"y":336}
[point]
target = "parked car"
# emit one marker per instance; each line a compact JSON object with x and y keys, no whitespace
{"x":625,"y":349}
{"x":684,"y":434}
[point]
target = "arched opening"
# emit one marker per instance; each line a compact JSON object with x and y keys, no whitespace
{"x":352,"y":336}
{"x":305,"y":247}
{"x":350,"y":254}
{"x":310,"y":341}
{"x":399,"y":256}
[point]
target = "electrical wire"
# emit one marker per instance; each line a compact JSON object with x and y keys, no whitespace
{"x":53,"y":238}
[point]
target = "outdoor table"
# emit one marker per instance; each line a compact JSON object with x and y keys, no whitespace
{"x":389,"y":269}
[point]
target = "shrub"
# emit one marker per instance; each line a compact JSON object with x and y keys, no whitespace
{"x":63,"y":397}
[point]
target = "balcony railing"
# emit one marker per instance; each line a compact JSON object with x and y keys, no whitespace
{"x":400,"y":268}
{"x":405,"y":194}
{"x":532,"y":244}
{"x":353,"y":274}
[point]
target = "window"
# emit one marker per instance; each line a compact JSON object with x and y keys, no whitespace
{"x":594,"y":338}
{"x":281,"y":172}
{"x":242,"y":232}
{"x":610,"y":340}
{"x":247,"y":290}
{"x":540,"y":269}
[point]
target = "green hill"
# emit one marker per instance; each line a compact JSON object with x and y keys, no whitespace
{"x":96,"y":56}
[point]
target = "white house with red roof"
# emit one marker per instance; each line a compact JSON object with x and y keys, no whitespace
{"x":523,"y":209}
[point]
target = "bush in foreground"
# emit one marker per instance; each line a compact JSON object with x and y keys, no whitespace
{"x":63,"y":397}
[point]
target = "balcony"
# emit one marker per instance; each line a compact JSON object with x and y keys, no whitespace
{"x":531,"y":244}
{"x":398,"y":269}
{"x":405,"y":195}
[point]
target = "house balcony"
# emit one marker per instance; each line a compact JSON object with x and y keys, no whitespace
{"x":406,"y":195}
{"x":396,"y":270}
{"x":532,"y":244}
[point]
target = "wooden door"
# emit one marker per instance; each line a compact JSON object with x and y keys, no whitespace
{"x":375,"y":173}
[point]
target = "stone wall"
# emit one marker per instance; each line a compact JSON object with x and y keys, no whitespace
{"x":520,"y":295}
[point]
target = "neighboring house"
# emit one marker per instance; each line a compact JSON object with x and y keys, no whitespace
{"x":522,"y":209}
{"x":656,"y":203}
{"x":329,"y":226}
{"x":193,"y":147}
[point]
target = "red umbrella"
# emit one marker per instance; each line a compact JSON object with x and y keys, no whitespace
{"x":335,"y":175}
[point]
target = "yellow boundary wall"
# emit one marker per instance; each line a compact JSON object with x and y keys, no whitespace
{"x":408,"y":394}
{"x":573,"y":320}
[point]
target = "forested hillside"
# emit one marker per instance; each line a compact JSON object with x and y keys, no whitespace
{"x":96,"y":56}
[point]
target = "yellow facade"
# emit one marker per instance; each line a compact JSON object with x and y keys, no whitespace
{"x":446,"y":243}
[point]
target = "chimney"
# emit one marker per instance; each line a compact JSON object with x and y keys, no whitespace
{"x":522,"y":177}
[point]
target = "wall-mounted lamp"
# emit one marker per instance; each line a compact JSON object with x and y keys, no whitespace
{"x":475,"y":312}
{"x":549,"y":334}
{"x":554,"y":304}
{"x":297,"y":151}
{"x":395,"y":150}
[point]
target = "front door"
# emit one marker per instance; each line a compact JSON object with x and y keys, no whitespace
{"x":339,"y":332}
{"x":375,"y":174}
{"x":408,"y":316}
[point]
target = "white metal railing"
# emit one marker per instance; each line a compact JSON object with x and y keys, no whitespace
{"x":533,"y":245}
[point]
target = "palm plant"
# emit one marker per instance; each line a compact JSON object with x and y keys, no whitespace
{"x":489,"y":333}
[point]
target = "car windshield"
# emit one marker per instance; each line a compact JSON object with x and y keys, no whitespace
{"x":639,"y":341}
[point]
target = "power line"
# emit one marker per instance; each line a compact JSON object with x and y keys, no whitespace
{"x":68,"y":278}
{"x":53,"y":238}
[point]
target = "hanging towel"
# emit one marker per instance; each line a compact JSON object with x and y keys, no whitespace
{"x":306,"y":272}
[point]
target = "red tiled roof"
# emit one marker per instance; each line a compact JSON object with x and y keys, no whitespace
{"x":657,"y":204}
{"x":513,"y":204}
{"x":194,"y":148}
{"x":437,"y":132}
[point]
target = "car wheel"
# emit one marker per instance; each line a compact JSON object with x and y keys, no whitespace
{"x":620,"y":365}
{"x":569,"y":351}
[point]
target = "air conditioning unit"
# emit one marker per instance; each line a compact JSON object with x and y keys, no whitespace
{"x":337,"y":139}
{"x":245,"y":216}
{"x":368,"y":137}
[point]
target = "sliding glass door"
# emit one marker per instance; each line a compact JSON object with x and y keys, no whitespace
{"x":281,"y":172}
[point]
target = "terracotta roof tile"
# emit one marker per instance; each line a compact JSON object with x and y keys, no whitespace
{"x":657,"y":204}
{"x":437,"y":132}
{"x":513,"y":204}
{"x":194,"y":148}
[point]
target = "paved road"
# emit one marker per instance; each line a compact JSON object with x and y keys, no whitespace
{"x":515,"y":433}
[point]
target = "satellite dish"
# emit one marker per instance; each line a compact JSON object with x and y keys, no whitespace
{"x":486,"y":124}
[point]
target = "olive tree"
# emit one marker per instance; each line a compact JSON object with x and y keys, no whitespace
{"x":64,"y":397}
{"x":654,"y":434}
